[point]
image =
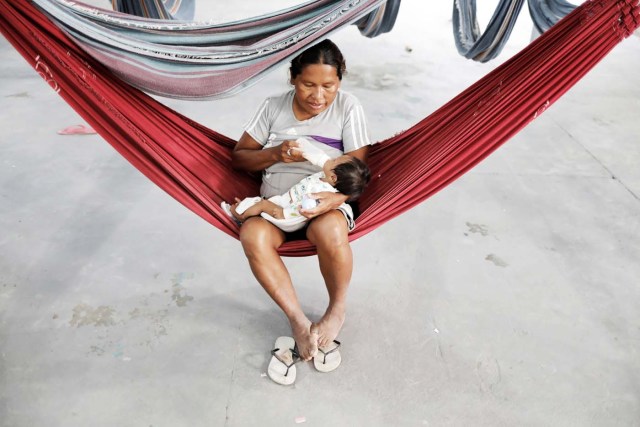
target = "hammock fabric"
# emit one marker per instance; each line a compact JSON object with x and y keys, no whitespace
{"x":483,"y":47}
{"x":545,"y":13}
{"x":378,"y":22}
{"x":186,"y":59}
{"x":192,"y":163}
{"x":157,"y":9}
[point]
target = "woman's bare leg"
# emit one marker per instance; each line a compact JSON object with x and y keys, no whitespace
{"x":260,"y":240}
{"x":329,"y":233}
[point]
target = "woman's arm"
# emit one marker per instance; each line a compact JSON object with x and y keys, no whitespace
{"x":249,"y":155}
{"x":361,"y":153}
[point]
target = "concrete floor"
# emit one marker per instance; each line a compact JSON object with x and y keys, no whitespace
{"x":509,"y":298}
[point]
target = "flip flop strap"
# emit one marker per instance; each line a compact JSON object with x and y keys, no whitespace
{"x":294,"y":353}
{"x":330,"y":351}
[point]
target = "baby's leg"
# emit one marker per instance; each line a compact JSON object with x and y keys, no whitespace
{"x":240,"y":209}
{"x":257,"y":208}
{"x":240,"y":206}
{"x":268,"y":207}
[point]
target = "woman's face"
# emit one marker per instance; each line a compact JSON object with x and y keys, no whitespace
{"x":315,"y":89}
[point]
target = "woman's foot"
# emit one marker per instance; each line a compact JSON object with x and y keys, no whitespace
{"x":306,"y":338}
{"x":330,"y":325}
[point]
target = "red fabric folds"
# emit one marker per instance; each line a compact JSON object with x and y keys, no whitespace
{"x":192,"y":163}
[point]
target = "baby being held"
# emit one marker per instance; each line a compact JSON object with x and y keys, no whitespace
{"x":344,"y":174}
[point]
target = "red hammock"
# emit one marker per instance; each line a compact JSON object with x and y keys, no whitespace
{"x":192,"y":163}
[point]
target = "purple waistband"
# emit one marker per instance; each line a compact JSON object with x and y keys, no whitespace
{"x":334,"y":143}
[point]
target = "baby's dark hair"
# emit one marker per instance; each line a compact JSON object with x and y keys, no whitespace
{"x":352,"y":177}
{"x":325,"y":52}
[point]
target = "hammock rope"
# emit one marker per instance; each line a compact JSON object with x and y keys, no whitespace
{"x":192,"y":163}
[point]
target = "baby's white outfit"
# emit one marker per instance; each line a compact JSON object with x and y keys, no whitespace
{"x":296,"y":198}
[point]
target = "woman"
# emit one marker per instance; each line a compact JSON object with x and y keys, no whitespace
{"x":334,"y":121}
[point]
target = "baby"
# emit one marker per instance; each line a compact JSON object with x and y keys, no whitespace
{"x":345,"y":174}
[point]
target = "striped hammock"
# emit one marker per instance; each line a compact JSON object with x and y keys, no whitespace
{"x":186,"y":59}
{"x":154,"y":48}
{"x":545,"y":13}
{"x":380,"y":21}
{"x":193,"y":163}
{"x":183,"y":10}
{"x":484,"y":46}
{"x":471,"y":43}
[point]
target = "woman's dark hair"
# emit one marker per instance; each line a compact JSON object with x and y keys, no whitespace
{"x":325,"y":52}
{"x":352,"y":177}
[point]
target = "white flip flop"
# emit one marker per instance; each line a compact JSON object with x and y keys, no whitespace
{"x":282,"y":369}
{"x":328,"y":358}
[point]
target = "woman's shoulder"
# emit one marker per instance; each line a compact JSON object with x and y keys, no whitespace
{"x":280,"y":98}
{"x":274,"y":104}
{"x":347,"y":100}
{"x":347,"y":96}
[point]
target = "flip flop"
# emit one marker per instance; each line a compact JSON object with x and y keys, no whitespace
{"x":282,"y":369}
{"x":328,"y":358}
{"x":77,"y":130}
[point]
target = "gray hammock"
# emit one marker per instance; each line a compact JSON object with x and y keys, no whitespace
{"x":200,"y":60}
{"x":470,"y":42}
{"x":166,"y":9}
{"x":484,"y":46}
{"x":546,"y":13}
{"x":187,"y":59}
{"x":378,"y":22}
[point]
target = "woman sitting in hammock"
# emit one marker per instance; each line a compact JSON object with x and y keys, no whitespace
{"x":334,"y":121}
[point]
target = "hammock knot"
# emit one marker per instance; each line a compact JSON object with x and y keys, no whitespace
{"x":629,"y":19}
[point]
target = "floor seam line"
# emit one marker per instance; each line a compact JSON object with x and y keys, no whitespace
{"x":594,"y":157}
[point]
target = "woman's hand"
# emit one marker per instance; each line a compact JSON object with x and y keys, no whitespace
{"x":290,"y":152}
{"x":249,"y":155}
{"x":327,"y":201}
